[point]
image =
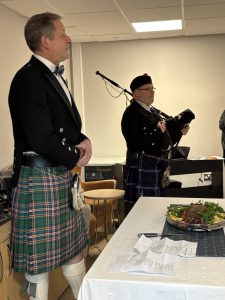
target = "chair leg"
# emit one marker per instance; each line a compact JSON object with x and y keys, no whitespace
{"x":97,"y":216}
{"x":112,"y":221}
{"x":117,"y":209}
{"x":114,"y":208}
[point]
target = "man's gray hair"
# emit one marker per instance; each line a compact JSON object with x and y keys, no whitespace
{"x":39,"y":25}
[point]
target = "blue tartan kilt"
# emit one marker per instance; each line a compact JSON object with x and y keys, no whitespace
{"x":46,"y":231}
{"x":144,"y":175}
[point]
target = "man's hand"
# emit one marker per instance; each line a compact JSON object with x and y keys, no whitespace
{"x":185,"y":130}
{"x":85,"y":152}
{"x":162,"y":125}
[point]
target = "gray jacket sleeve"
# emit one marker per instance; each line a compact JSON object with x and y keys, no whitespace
{"x":222,"y":121}
{"x":222,"y":128}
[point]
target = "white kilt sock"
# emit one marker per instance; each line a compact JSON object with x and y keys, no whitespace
{"x":41,"y":282}
{"x":74,"y":274}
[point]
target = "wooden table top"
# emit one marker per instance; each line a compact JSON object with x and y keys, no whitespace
{"x":104,"y":194}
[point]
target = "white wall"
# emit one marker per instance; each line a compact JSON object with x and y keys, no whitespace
{"x":14,"y":54}
{"x":188,"y":72}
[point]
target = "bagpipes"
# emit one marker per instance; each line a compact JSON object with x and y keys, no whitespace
{"x":174,"y":124}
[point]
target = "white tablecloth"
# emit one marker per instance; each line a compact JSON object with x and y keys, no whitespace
{"x":199,"y":278}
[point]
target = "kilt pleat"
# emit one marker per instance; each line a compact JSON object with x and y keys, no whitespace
{"x":46,"y":231}
{"x":144,"y":175}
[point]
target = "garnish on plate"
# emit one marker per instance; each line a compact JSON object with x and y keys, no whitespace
{"x":197,"y":213}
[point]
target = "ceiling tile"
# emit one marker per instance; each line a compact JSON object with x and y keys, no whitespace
{"x":27,"y":8}
{"x":73,"y":31}
{"x":196,"y":2}
{"x":101,"y":23}
{"x":161,"y":34}
{"x":205,"y":26}
{"x":83,"y":39}
{"x":129,"y":4}
{"x":83,"y":6}
{"x":204,"y":11}
{"x":144,"y":15}
{"x":118,"y":37}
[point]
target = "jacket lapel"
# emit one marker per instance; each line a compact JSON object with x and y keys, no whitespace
{"x":56,"y":85}
{"x":152,"y":117}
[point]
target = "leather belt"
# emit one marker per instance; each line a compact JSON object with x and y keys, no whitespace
{"x":136,"y":154}
{"x":37,"y":161}
{"x":139,"y":154}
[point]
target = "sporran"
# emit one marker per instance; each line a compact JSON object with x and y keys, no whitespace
{"x":165,"y":181}
{"x":77,"y":193}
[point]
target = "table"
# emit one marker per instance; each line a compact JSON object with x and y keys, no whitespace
{"x":199,"y":278}
{"x":105,"y":195}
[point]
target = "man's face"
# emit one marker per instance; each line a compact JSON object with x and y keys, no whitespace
{"x":145,"y":94}
{"x":58,"y":47}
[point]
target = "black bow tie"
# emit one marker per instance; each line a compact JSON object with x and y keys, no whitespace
{"x":59,"y":70}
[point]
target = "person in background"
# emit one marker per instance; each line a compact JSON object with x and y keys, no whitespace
{"x":148,"y":143}
{"x":222,"y":128}
{"x":46,"y":231}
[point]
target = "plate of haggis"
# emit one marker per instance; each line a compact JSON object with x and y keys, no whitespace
{"x":200,"y":216}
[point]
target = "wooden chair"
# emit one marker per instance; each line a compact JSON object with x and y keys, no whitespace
{"x":97,"y":206}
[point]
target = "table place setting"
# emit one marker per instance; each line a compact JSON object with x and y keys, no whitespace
{"x":154,"y":256}
{"x":180,"y":248}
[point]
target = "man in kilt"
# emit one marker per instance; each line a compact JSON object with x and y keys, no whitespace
{"x":148,"y":143}
{"x":46,"y":231}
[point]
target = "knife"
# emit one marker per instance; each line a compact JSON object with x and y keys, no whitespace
{"x":152,"y":234}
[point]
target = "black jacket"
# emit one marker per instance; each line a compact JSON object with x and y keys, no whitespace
{"x":43,"y":119}
{"x":141,"y":133}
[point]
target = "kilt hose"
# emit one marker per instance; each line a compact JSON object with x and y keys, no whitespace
{"x":143,"y":176}
{"x":46,"y":231}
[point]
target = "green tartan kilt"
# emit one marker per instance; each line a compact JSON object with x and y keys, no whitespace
{"x":46,"y":231}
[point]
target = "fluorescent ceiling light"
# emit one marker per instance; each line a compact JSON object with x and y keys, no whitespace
{"x":157,"y":25}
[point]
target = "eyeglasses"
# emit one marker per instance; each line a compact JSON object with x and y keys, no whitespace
{"x":152,"y":89}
